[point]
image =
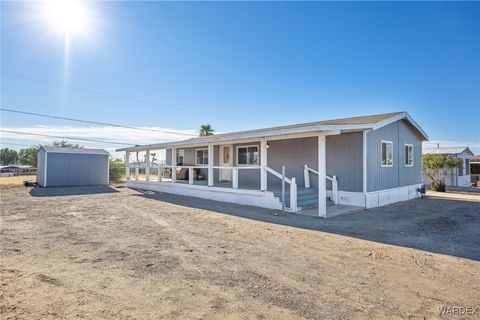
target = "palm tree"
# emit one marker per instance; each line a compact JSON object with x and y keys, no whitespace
{"x":206,"y":130}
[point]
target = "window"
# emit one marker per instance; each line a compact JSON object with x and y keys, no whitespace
{"x":408,"y":155}
{"x":180,"y":156}
{"x":247,"y":155}
{"x":202,"y":156}
{"x":387,"y":154}
{"x":460,"y":170}
{"x":467,"y":167}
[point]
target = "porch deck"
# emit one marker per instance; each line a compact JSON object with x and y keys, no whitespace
{"x":307,"y":198}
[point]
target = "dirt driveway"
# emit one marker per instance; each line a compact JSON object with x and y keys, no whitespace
{"x":118,"y":253}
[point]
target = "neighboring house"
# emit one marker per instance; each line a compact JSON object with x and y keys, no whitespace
{"x":366,"y":161}
{"x":475,"y":170}
{"x":455,"y":177}
{"x":66,"y":167}
{"x":16,"y":170}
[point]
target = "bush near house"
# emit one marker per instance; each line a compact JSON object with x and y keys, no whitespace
{"x":116,"y":170}
{"x":437,"y":166}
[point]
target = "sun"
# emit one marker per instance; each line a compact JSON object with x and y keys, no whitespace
{"x":69,"y":17}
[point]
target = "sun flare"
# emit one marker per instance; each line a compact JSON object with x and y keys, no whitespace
{"x":69,"y":17}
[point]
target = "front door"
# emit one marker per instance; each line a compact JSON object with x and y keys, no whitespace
{"x":226,"y":160}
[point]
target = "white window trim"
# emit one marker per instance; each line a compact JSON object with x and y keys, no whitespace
{"x":247,"y":146}
{"x":196,"y":157}
{"x":405,"y":160}
{"x":381,"y":151}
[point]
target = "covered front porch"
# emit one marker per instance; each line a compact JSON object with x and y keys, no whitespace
{"x":285,"y":173}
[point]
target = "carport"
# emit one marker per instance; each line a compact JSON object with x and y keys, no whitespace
{"x":65,"y":167}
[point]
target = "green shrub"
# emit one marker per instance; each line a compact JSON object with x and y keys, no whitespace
{"x":116,"y":170}
{"x":438,"y":186}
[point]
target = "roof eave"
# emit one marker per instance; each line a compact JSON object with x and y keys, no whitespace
{"x":400,"y":116}
{"x":252,"y":135}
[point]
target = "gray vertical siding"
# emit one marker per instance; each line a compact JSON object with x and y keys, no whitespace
{"x":41,"y":167}
{"x":189,"y":159}
{"x":381,"y":178}
{"x":345,"y":160}
{"x":168,"y":157}
{"x":293,"y":154}
{"x":247,"y":177}
{"x":72,"y":169}
{"x":408,"y":135}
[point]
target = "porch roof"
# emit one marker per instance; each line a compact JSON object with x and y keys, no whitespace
{"x":361,"y":123}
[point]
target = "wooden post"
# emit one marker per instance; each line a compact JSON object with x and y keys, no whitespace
{"x":147,"y":165}
{"x":322,"y":173}
{"x":210,"y":164}
{"x":174,"y":164}
{"x":293,"y":195}
{"x":306,"y":176}
{"x":335,"y":189}
{"x":190,"y":175}
{"x":160,"y":172}
{"x":283,"y":188}
{"x":263,"y":164}
{"x":127,"y":165}
{"x":235,"y":178}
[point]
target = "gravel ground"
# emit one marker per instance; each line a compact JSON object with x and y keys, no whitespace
{"x":102,"y":253}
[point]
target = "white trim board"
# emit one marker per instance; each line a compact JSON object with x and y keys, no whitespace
{"x":262,"y":199}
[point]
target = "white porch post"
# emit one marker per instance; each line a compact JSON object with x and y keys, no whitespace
{"x":364,"y":166}
{"x":263,"y":164}
{"x":127,"y":164}
{"x":235,"y":178}
{"x":174,"y":164}
{"x":322,"y":172}
{"x":160,"y":172}
{"x":210,"y":164}
{"x":190,"y":175}
{"x":147,"y":167}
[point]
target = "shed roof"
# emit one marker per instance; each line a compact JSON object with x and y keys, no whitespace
{"x":74,"y":150}
{"x":19,"y":166}
{"x":354,"y":123}
{"x":448,"y":150}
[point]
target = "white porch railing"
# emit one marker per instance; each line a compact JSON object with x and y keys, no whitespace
{"x":333,"y":179}
{"x":235,"y":173}
{"x":293,"y":188}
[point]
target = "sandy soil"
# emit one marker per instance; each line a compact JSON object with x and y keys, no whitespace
{"x":125,"y":256}
{"x":17,"y":180}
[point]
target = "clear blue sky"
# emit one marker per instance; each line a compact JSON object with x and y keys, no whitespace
{"x":256,"y":64}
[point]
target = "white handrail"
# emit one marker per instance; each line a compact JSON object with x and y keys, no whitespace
{"x":333,"y":179}
{"x":233,"y":167}
{"x":278,"y":175}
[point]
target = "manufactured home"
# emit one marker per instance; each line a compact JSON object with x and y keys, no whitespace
{"x":456,"y":177}
{"x":366,"y":161}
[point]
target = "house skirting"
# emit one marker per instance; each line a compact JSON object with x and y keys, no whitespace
{"x":262,"y":199}
{"x":377,"y":198}
{"x":384,"y":197}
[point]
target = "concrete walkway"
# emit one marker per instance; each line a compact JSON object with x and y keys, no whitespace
{"x":332,"y":211}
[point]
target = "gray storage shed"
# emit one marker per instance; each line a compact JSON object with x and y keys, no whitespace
{"x":65,"y":167}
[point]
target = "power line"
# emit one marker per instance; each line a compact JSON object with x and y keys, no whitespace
{"x":125,"y":97}
{"x":14,"y":144}
{"x":93,"y":122}
{"x":62,"y":137}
